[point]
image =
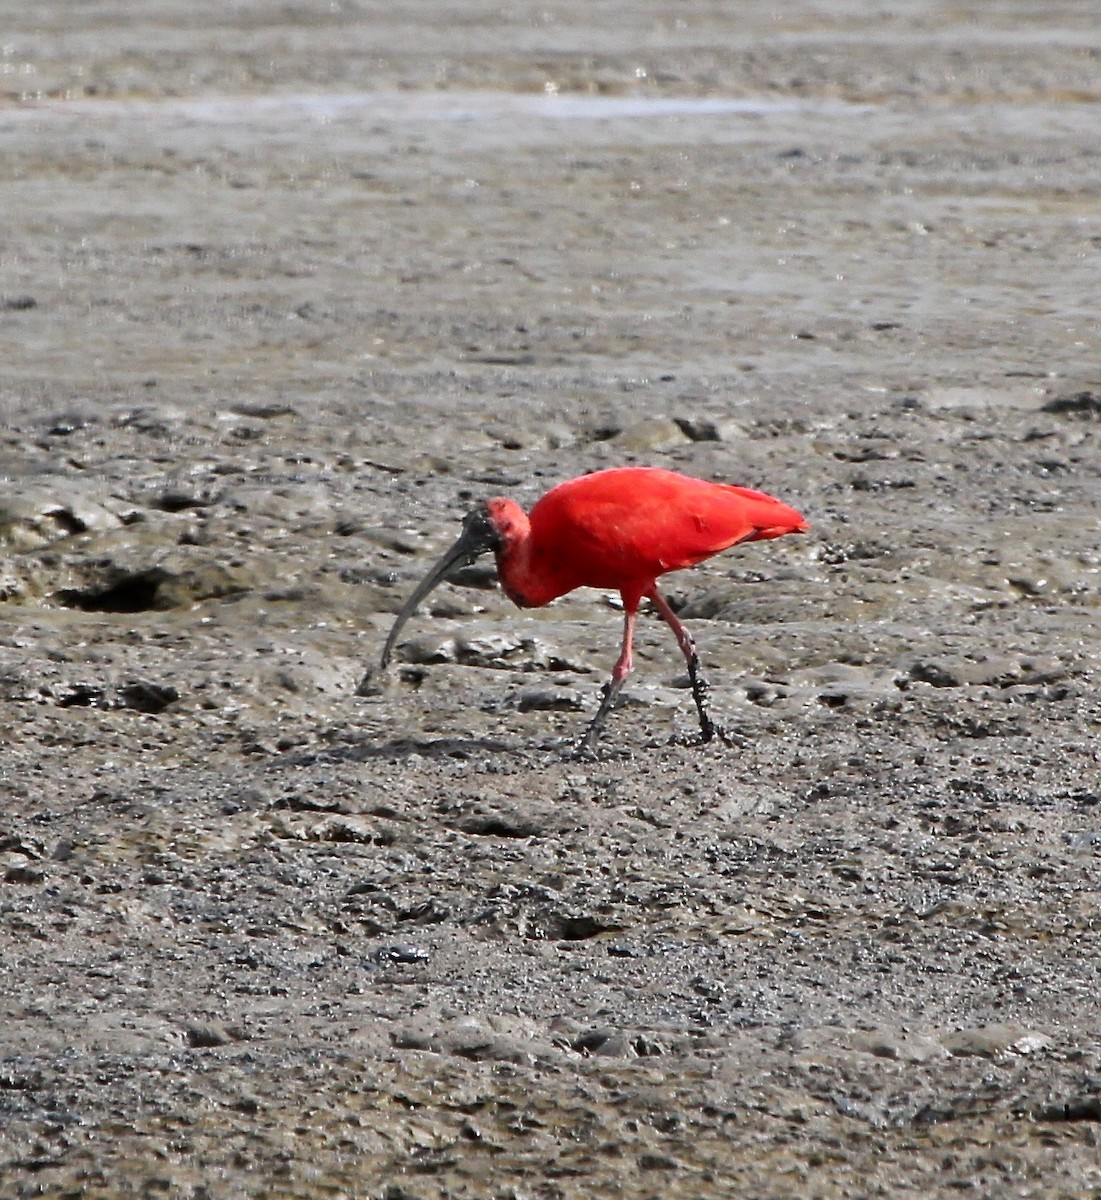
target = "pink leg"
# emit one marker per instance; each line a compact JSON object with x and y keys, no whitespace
{"x":612,"y":688}
{"x":700,"y":686}
{"x":684,"y":638}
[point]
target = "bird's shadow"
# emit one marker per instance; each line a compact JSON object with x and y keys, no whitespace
{"x":396,"y":749}
{"x":458,"y":748}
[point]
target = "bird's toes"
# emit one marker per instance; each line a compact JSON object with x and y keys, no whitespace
{"x":712,"y":733}
{"x":586,"y":752}
{"x":729,"y":737}
{"x":369,"y":686}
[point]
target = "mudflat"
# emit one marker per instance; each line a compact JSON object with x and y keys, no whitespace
{"x":285,"y":291}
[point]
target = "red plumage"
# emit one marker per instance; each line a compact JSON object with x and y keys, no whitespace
{"x":622,"y":529}
{"x":636,"y":523}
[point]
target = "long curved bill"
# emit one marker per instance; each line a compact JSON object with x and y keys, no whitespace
{"x":478,"y":537}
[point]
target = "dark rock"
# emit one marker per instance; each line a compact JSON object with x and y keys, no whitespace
{"x":1078,"y":404}
{"x":207,"y":1036}
{"x":144,"y":696}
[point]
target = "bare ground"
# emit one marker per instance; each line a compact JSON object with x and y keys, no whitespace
{"x":283,"y":293}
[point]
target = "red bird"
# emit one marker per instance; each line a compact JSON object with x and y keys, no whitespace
{"x":615,"y":529}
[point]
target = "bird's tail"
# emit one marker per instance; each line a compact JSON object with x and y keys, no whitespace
{"x":768,"y":516}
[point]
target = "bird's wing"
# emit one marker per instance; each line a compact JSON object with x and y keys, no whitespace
{"x":635,"y":524}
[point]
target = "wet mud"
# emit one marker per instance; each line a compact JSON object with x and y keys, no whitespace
{"x":283,"y":295}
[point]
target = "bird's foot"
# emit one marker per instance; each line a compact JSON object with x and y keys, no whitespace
{"x":368,"y":686}
{"x":586,"y":750}
{"x":581,"y":753}
{"x":711,"y":733}
{"x":729,"y":737}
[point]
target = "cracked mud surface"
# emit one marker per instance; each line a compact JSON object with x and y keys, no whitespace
{"x":282,"y":296}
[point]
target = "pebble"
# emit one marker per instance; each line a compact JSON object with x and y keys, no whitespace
{"x":400,"y":952}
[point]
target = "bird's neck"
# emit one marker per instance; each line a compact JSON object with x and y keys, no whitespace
{"x":522,"y":575}
{"x":516,"y":571}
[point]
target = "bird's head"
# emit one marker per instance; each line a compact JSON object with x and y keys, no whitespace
{"x":508,"y":519}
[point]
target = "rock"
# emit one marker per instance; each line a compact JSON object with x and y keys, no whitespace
{"x":429,"y":649}
{"x":1047,"y":578}
{"x":17,"y":868}
{"x":550,"y":699}
{"x":478,"y":1038}
{"x":144,"y":696}
{"x":402,"y":541}
{"x":77,"y":695}
{"x":839,"y":685}
{"x":1080,"y":1108}
{"x":951,"y":672}
{"x":154,"y":420}
{"x":493,"y":648}
{"x":1078,"y":404}
{"x":64,"y":423}
{"x":504,"y":824}
{"x":350,"y":827}
{"x":180,"y":496}
{"x":605,"y":1042}
{"x":898,"y":1046}
{"x":704,"y":429}
{"x":139,"y":695}
{"x":655,"y":433}
{"x":114,"y":585}
{"x":828,"y":1042}
{"x":207,"y":1036}
{"x":33,"y":515}
{"x":498,"y":649}
{"x":995,"y":1041}
{"x":264,"y":410}
{"x":657,"y":1162}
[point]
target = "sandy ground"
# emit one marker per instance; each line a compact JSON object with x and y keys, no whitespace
{"x":284,"y":290}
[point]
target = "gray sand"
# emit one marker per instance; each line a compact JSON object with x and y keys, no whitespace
{"x":284,"y":291}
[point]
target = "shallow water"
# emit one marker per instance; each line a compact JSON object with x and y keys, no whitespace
{"x":426,"y":106}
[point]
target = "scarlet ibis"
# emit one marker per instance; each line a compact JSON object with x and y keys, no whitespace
{"x":620,"y":529}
